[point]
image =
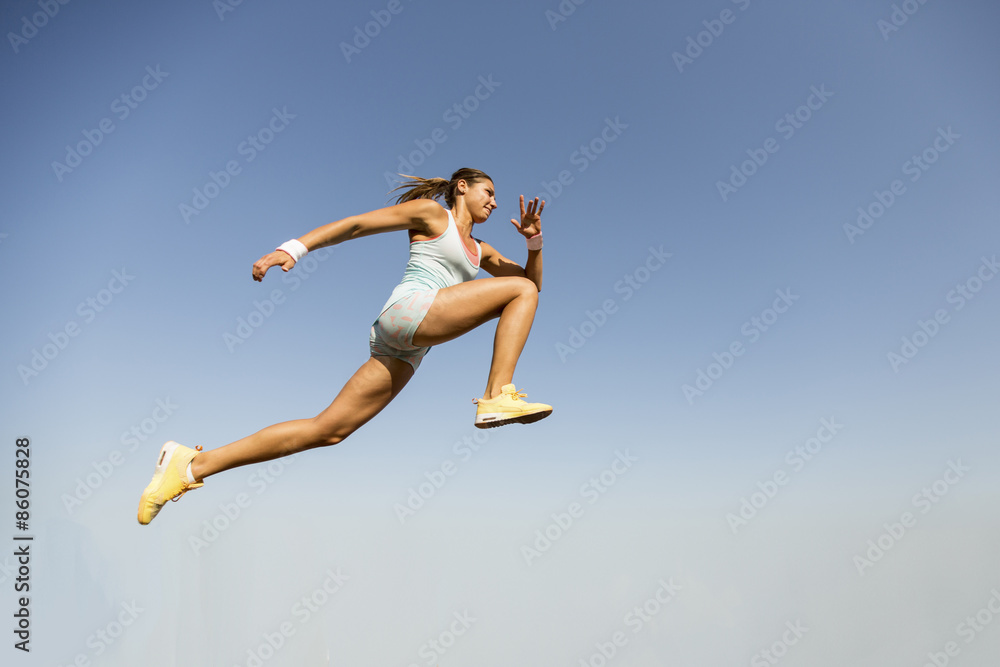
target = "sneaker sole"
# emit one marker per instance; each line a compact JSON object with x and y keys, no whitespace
{"x":492,"y":420}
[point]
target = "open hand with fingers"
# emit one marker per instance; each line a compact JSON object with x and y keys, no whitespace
{"x":531,"y":218}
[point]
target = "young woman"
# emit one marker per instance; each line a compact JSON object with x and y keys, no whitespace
{"x":436,"y":301}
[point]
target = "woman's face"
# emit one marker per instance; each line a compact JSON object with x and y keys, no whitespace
{"x":480,"y":199}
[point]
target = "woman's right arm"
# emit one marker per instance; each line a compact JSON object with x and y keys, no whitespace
{"x":421,"y":215}
{"x":416,"y":214}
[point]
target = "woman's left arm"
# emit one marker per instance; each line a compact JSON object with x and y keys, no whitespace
{"x":497,"y":265}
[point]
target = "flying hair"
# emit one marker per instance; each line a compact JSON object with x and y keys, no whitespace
{"x":434,"y":188}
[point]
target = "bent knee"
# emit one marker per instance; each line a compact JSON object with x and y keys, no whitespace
{"x":526,"y":288}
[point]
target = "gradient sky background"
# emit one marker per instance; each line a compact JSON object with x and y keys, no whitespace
{"x":555,"y":87}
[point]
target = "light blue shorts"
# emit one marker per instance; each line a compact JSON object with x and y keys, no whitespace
{"x":392,"y":333}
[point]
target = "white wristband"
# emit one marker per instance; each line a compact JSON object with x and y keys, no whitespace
{"x":535,"y":242}
{"x":295,"y":248}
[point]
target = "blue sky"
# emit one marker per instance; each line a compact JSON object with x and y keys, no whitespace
{"x":262,"y":120}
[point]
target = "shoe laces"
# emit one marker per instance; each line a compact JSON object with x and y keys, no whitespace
{"x":515,"y":395}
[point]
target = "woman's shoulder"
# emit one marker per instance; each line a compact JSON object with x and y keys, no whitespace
{"x":436,"y":218}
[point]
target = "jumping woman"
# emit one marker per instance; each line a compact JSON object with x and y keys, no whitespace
{"x":436,"y":301}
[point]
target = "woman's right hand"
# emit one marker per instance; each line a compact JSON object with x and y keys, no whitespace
{"x":276,"y":258}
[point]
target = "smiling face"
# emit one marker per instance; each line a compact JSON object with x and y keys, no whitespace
{"x":480,"y":198}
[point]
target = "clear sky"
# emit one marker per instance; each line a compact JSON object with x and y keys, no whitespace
{"x":768,"y":330}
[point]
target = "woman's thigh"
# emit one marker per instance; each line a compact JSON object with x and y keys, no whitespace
{"x":461,"y":308}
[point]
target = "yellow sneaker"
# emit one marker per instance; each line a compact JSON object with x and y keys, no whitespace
{"x":508,"y":408}
{"x":169,"y":481}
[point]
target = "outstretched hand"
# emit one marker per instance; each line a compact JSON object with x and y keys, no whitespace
{"x":531,"y":218}
{"x":276,"y":258}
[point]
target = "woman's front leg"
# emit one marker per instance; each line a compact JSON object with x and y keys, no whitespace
{"x":461,"y":308}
